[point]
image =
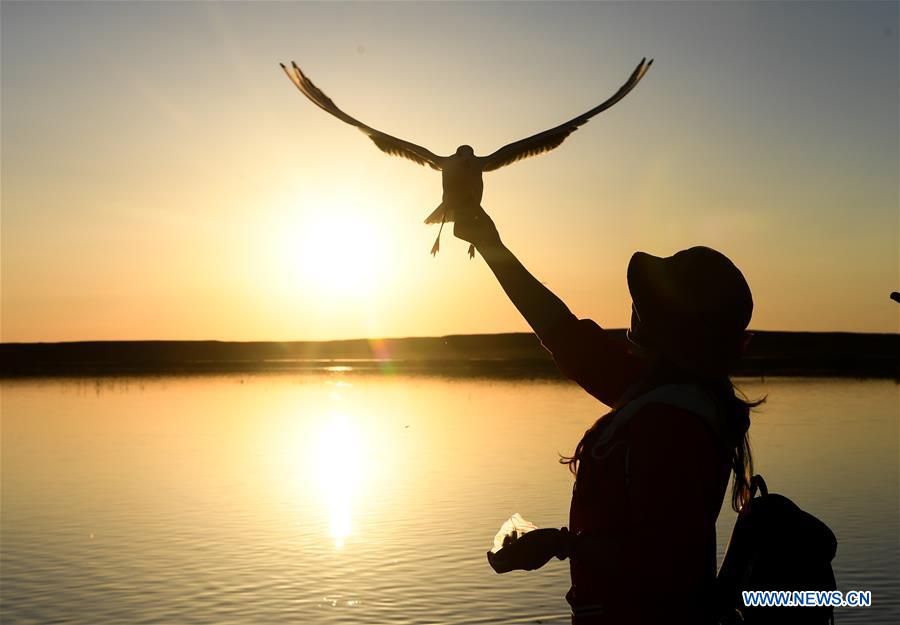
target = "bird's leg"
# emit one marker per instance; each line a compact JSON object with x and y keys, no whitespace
{"x":437,"y":242}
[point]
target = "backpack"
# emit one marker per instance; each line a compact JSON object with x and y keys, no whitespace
{"x":775,"y":546}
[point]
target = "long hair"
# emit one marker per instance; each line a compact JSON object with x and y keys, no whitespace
{"x":728,"y":400}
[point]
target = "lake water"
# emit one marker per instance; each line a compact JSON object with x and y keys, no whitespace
{"x":362,"y":498}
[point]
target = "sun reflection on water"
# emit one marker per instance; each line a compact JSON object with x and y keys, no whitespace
{"x":339,"y":452}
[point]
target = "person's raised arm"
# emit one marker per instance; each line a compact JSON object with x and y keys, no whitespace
{"x":541,"y":308}
{"x":582,"y":350}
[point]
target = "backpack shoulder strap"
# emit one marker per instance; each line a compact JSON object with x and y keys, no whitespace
{"x":688,"y":397}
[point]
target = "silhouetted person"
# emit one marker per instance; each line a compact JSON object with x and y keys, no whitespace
{"x":462,"y":171}
{"x":651,"y":475}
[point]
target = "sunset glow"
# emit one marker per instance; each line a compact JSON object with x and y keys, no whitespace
{"x":177,"y":202}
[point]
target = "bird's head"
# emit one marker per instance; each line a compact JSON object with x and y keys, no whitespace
{"x":465,"y":150}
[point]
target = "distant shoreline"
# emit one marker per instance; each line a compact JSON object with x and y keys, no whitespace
{"x":493,"y":355}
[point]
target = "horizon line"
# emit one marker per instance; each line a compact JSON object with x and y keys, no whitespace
{"x":399,"y":338}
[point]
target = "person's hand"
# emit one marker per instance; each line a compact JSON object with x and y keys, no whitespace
{"x":476,"y":227}
{"x":530,"y":551}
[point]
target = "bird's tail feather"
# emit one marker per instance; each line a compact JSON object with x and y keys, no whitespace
{"x":440,"y":214}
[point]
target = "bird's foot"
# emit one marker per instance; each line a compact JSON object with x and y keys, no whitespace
{"x":436,"y":247}
{"x":471,"y":250}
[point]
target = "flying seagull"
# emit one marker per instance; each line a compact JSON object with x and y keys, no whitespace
{"x":461,"y":172}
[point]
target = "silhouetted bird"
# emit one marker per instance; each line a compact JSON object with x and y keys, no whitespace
{"x":461,"y":172}
{"x":895,"y":296}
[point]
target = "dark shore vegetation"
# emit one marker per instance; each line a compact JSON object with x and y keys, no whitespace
{"x":500,"y":355}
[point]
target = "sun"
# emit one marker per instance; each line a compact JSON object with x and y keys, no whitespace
{"x":331,"y":251}
{"x":338,"y":253}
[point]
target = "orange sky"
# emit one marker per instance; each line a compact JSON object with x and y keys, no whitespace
{"x":162,"y":179}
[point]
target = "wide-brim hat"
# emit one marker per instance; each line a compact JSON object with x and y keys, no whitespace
{"x":693,"y":308}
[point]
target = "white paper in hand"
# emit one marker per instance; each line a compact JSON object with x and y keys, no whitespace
{"x":515,"y":523}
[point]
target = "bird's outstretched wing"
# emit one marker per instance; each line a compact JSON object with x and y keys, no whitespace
{"x":549,"y":139}
{"x":384,"y":141}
